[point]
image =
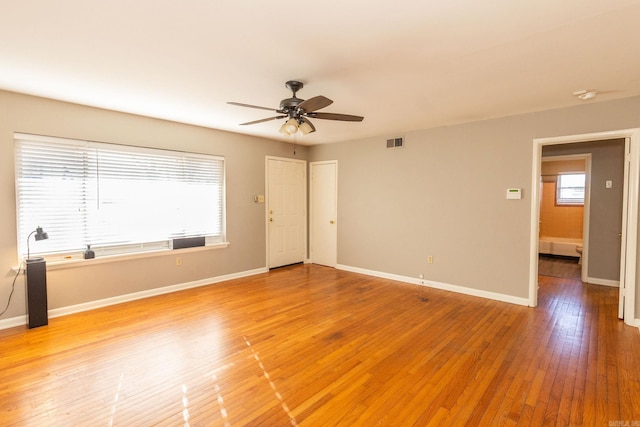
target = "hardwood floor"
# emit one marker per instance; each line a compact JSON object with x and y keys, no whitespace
{"x":313,"y":346}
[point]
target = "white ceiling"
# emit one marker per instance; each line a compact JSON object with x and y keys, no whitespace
{"x":403,"y":65}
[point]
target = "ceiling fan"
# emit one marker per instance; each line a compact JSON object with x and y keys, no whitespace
{"x":298,"y":111}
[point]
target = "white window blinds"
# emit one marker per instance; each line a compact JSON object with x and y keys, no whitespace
{"x":570,"y":188}
{"x":118,"y":199}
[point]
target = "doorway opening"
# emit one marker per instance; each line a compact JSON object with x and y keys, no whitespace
{"x":627,"y":239}
{"x":563,"y":239}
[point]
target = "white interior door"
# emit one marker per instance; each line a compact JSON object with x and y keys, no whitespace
{"x":624,"y":281}
{"x":323,"y":207}
{"x":286,"y":211}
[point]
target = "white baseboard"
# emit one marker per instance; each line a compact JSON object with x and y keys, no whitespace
{"x":77,"y":308}
{"x":13,"y":322}
{"x":604,"y":282}
{"x":91,"y":305}
{"x":438,"y":285}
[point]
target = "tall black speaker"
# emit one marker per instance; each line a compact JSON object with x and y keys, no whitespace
{"x":36,"y":279}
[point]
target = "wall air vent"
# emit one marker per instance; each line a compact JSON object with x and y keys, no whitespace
{"x":395,"y":142}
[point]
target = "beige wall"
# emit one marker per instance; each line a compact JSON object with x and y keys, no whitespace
{"x":550,"y":168}
{"x":245,"y":160}
{"x":444,"y":195}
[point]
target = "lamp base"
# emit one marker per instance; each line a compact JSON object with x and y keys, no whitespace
{"x":36,"y":287}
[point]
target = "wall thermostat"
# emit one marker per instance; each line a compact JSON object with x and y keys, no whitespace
{"x":514,"y":193}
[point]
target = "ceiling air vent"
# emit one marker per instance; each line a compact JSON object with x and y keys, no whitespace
{"x":395,"y":142}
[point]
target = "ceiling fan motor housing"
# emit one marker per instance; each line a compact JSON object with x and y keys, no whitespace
{"x":290,"y":104}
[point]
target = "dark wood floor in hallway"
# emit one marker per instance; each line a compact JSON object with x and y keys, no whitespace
{"x":314,"y":346}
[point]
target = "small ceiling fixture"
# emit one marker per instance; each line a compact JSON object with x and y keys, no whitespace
{"x":297,"y":111}
{"x":585,"y":94}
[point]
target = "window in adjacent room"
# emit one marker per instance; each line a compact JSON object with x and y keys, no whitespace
{"x":570,"y":189}
{"x":116,"y":198}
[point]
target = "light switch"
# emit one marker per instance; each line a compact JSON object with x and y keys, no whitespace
{"x":608,"y":184}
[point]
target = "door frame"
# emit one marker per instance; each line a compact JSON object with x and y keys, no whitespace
{"x":629,"y":213}
{"x":267,"y":201}
{"x":311,"y":200}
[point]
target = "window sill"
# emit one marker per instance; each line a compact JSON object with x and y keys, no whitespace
{"x":72,"y":263}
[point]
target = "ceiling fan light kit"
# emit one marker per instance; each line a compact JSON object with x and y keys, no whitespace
{"x":289,"y":127}
{"x":306,"y":126}
{"x":298,"y":110}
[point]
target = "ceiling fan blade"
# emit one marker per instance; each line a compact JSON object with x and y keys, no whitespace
{"x":262,"y":120}
{"x":239,"y":104}
{"x":336,"y":116}
{"x":315,"y":103}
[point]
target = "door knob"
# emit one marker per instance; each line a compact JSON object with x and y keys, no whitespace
{"x":270,"y":219}
{"x":331,"y":221}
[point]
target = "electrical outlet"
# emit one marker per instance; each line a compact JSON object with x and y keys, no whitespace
{"x":430,"y":259}
{"x":179,"y":260}
{"x":421,"y":276}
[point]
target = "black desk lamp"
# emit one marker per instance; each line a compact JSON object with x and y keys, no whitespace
{"x":40,"y":235}
{"x":36,"y":284}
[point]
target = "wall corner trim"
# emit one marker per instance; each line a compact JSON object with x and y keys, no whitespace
{"x":438,"y":285}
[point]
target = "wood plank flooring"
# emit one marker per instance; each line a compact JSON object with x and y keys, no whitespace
{"x":313,"y":346}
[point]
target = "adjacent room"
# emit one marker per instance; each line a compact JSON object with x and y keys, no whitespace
{"x":229,"y":214}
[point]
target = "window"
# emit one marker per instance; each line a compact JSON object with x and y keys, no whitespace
{"x":118,"y":199}
{"x":570,"y":188}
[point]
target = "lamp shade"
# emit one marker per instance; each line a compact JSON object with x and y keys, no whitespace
{"x":306,"y":126}
{"x":291,"y":126}
{"x":283,"y":130}
{"x":41,"y":235}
